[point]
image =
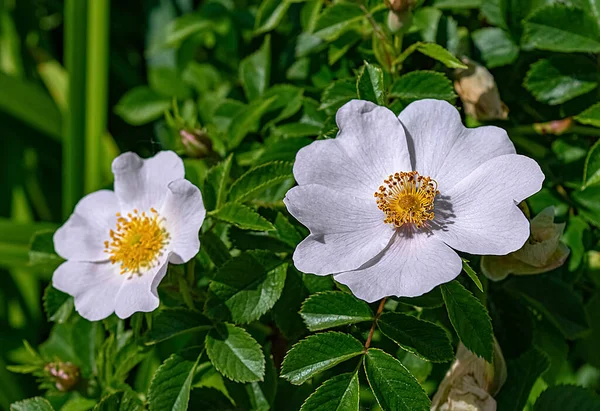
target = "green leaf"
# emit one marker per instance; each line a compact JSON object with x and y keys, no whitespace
{"x":167,"y":82}
{"x":524,"y":371}
{"x":247,"y":120}
{"x":561,"y":78}
{"x":337,"y":19}
{"x":369,"y":83}
{"x":246,"y":287}
{"x":318,"y":353}
{"x":339,"y":393}
{"x":235,"y":354}
{"x":422,"y":84}
{"x":591,"y":115}
{"x":470,"y":319}
{"x":288,"y":101}
{"x":28,"y":102}
{"x":172,"y":322}
{"x":285,"y":311}
{"x":332,"y":309}
{"x":558,"y":27}
{"x":120,"y":401}
{"x":591,"y":171}
{"x":258,"y":179}
{"x":58,"y":305}
{"x":567,"y":398}
{"x":32,"y":404}
{"x":41,"y":251}
{"x":255,"y":71}
{"x":171,"y":384}
{"x":286,"y":232}
{"x":437,"y":52}
{"x":141,"y":105}
{"x":472,"y":274}
{"x":394,"y":387}
{"x":184,"y":27}
{"x":419,"y":337}
{"x":337,"y":94}
{"x":556,"y":300}
{"x":496,"y":46}
{"x":242,"y":216}
{"x":269,"y":15}
{"x":215,"y":248}
{"x":214,"y":192}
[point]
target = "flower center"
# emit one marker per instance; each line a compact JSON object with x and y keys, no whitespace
{"x":407,"y":198}
{"x":137,"y":242}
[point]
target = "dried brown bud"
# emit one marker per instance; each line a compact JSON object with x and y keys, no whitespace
{"x":64,"y":374}
{"x":402,"y":5}
{"x":197,"y":143}
{"x":556,"y":127}
{"x":477,"y":89}
{"x":542,"y":252}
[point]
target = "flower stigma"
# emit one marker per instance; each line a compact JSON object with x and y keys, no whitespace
{"x":137,"y":242}
{"x":407,"y":198}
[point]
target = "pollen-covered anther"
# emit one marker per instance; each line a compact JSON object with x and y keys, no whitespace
{"x":407,"y":198}
{"x":138,"y":241}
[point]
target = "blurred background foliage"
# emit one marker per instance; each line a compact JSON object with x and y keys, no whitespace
{"x":82,"y":81}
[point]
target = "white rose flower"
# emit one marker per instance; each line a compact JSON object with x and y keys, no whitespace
{"x":390,"y":198}
{"x":118,"y":243}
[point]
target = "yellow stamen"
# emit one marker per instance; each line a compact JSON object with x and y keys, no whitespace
{"x":407,"y":198}
{"x":137,"y":242}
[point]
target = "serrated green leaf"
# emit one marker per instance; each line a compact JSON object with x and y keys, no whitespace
{"x":369,"y":84}
{"x":472,"y":274}
{"x":591,"y":115}
{"x":332,"y":309}
{"x":214,"y":192}
{"x":419,"y":337}
{"x":255,"y":71}
{"x":496,"y":46}
{"x":421,"y":84}
{"x":394,"y":387}
{"x":524,"y":371}
{"x":120,"y":401}
{"x":286,"y":311}
{"x":258,"y":179}
{"x":171,"y":384}
{"x":561,"y":78}
{"x":286,"y":232}
{"x":247,"y":120}
{"x":337,"y":19}
{"x":591,"y":171}
{"x":339,"y":393}
{"x":58,"y":305}
{"x":242,"y":216}
{"x":437,"y":52}
{"x":235,"y":354}
{"x":470,"y":319}
{"x":171,"y":322}
{"x":567,"y":398}
{"x":288,"y":101}
{"x":269,"y":15}
{"x":141,"y":105}
{"x":32,"y":404}
{"x":318,"y":353}
{"x":246,"y":287}
{"x":558,"y":27}
{"x":337,"y":94}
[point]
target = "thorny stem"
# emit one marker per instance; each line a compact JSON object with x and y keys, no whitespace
{"x":379,"y":311}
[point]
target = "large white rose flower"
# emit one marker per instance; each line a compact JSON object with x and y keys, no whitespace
{"x":390,"y":197}
{"x":118,"y":243}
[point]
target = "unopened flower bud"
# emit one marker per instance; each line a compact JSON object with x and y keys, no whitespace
{"x":402,"y":5}
{"x":541,"y":253}
{"x":477,"y":89}
{"x":556,"y":127}
{"x":197,"y":143}
{"x":398,"y":21}
{"x":64,"y":375}
{"x":471,"y":382}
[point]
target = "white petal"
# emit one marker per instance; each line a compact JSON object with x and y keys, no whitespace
{"x":369,"y":147}
{"x":184,"y":213}
{"x":94,"y":285}
{"x":409,"y":267}
{"x":484,"y":216}
{"x":346,"y":231}
{"x":142,"y":184}
{"x":139,"y":292}
{"x":82,"y":236}
{"x":442,"y":148}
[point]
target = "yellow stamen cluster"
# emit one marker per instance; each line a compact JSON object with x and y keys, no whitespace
{"x":407,"y":198}
{"x":137,"y":242}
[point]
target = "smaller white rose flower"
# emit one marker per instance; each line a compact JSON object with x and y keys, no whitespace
{"x":390,"y":198}
{"x":118,"y":243}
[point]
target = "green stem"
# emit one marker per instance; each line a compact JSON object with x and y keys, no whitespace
{"x":97,"y":90}
{"x":74,"y":120}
